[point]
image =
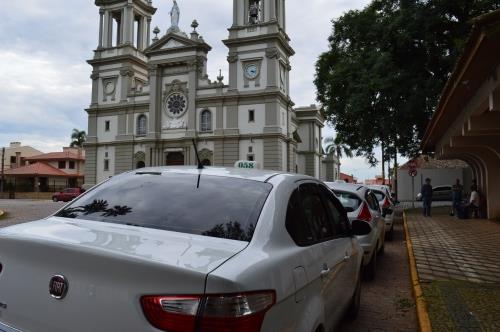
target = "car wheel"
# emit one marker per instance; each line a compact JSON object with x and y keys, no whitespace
{"x":390,"y":235}
{"x":54,"y":199}
{"x":353,"y":310}
{"x":370,"y":270}
{"x":381,"y":251}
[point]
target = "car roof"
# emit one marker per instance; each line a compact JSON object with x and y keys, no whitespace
{"x":230,"y":172}
{"x":349,"y":187}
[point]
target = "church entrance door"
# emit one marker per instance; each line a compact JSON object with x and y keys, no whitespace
{"x":175,"y":159}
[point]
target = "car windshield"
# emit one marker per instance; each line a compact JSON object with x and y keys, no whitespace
{"x":349,"y":201}
{"x":380,"y":195}
{"x":205,"y":205}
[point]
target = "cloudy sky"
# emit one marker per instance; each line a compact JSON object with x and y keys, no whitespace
{"x":45,"y":44}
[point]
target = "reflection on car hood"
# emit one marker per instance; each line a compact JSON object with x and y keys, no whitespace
{"x":193,"y":252}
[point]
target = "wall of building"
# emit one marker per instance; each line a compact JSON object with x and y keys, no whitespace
{"x":439,"y":177}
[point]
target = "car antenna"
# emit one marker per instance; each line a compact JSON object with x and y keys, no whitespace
{"x":200,"y":165}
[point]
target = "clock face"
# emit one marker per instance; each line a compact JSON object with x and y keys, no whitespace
{"x":251,"y":71}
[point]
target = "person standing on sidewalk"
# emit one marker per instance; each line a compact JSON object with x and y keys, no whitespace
{"x":456,"y":193}
{"x":427,"y":197}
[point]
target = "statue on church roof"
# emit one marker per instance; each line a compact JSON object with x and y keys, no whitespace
{"x":175,"y":14}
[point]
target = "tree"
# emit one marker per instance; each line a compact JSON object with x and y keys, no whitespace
{"x":381,"y":80}
{"x":333,"y":146}
{"x":78,"y":138}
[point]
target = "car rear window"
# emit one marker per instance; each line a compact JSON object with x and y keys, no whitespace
{"x":205,"y":205}
{"x":349,"y":201}
{"x":380,"y":195}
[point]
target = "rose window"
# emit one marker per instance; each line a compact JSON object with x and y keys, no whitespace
{"x":176,"y":104}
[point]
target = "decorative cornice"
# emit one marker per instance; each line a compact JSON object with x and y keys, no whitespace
{"x":94,"y":76}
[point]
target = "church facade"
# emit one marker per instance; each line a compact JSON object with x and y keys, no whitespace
{"x":151,"y":97}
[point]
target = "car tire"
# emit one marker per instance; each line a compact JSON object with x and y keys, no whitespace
{"x":353,"y":309}
{"x":54,"y":199}
{"x":370,"y":270}
{"x":381,"y":251}
{"x":390,"y":235}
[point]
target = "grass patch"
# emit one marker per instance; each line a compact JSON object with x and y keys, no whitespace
{"x":478,"y":300}
{"x":4,"y":215}
{"x":405,"y":304}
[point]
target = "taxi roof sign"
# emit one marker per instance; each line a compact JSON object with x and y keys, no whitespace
{"x":247,"y":164}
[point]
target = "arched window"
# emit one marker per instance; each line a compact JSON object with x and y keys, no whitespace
{"x":140,"y":164}
{"x":142,"y":125}
{"x":206,"y":121}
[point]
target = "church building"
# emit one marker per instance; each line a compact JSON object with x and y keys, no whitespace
{"x":151,"y":96}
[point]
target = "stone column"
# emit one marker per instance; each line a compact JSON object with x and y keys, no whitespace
{"x":101,"y":22}
{"x":148,"y":40}
{"x":155,"y":102}
{"x":95,"y":89}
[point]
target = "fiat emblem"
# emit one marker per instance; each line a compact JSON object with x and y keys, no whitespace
{"x":58,"y":287}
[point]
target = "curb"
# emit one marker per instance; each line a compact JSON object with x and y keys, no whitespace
{"x":422,"y":313}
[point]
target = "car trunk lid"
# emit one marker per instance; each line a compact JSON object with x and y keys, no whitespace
{"x":108,"y":268}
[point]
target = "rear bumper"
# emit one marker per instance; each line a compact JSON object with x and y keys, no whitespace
{"x":7,"y":328}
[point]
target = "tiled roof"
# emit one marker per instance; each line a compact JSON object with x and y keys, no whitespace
{"x":57,"y":156}
{"x":38,"y":169}
{"x":429,"y":163}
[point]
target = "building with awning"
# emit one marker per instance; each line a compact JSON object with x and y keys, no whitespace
{"x":466,"y":124}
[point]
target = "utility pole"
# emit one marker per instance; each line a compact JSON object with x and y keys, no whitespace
{"x":3,"y":165}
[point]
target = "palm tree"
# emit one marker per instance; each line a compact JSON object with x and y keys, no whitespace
{"x":78,"y":138}
{"x":334,"y":146}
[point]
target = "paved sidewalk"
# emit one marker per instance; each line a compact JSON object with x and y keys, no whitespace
{"x":448,"y":248}
{"x":459,"y":269}
{"x":20,"y":210}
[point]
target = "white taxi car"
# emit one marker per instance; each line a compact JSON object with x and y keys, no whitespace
{"x":362,"y":205}
{"x":182,"y":249}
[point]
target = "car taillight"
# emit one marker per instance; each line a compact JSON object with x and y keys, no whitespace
{"x":365,"y":214}
{"x":387,"y":204}
{"x":171,"y":313}
{"x":235,"y":312}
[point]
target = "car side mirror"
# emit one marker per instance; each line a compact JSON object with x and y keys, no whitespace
{"x":360,"y":227}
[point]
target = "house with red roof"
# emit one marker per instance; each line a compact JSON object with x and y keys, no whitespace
{"x":49,"y":171}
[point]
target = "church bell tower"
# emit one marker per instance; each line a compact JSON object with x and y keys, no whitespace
{"x":259,"y":66}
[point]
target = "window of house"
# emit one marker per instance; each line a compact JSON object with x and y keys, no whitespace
{"x":106,"y":164}
{"x":142,"y":125}
{"x":106,"y":154}
{"x":107,"y":125}
{"x":71,"y":165}
{"x":251,"y":116}
{"x":250,"y":149}
{"x":13,"y":159}
{"x":206,"y":121}
{"x":251,"y":157}
{"x":61,"y":164}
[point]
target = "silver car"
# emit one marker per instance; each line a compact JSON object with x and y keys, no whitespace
{"x":387,"y":206}
{"x":362,"y":205}
{"x":182,"y":249}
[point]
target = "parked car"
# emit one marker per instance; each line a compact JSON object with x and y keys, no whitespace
{"x":67,"y":195}
{"x":439,"y":193}
{"x":387,"y":206}
{"x":361,"y":204}
{"x":182,"y":249}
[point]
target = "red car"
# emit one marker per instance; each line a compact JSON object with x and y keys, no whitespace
{"x":67,"y":194}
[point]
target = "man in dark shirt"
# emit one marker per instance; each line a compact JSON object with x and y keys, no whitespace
{"x":427,"y":197}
